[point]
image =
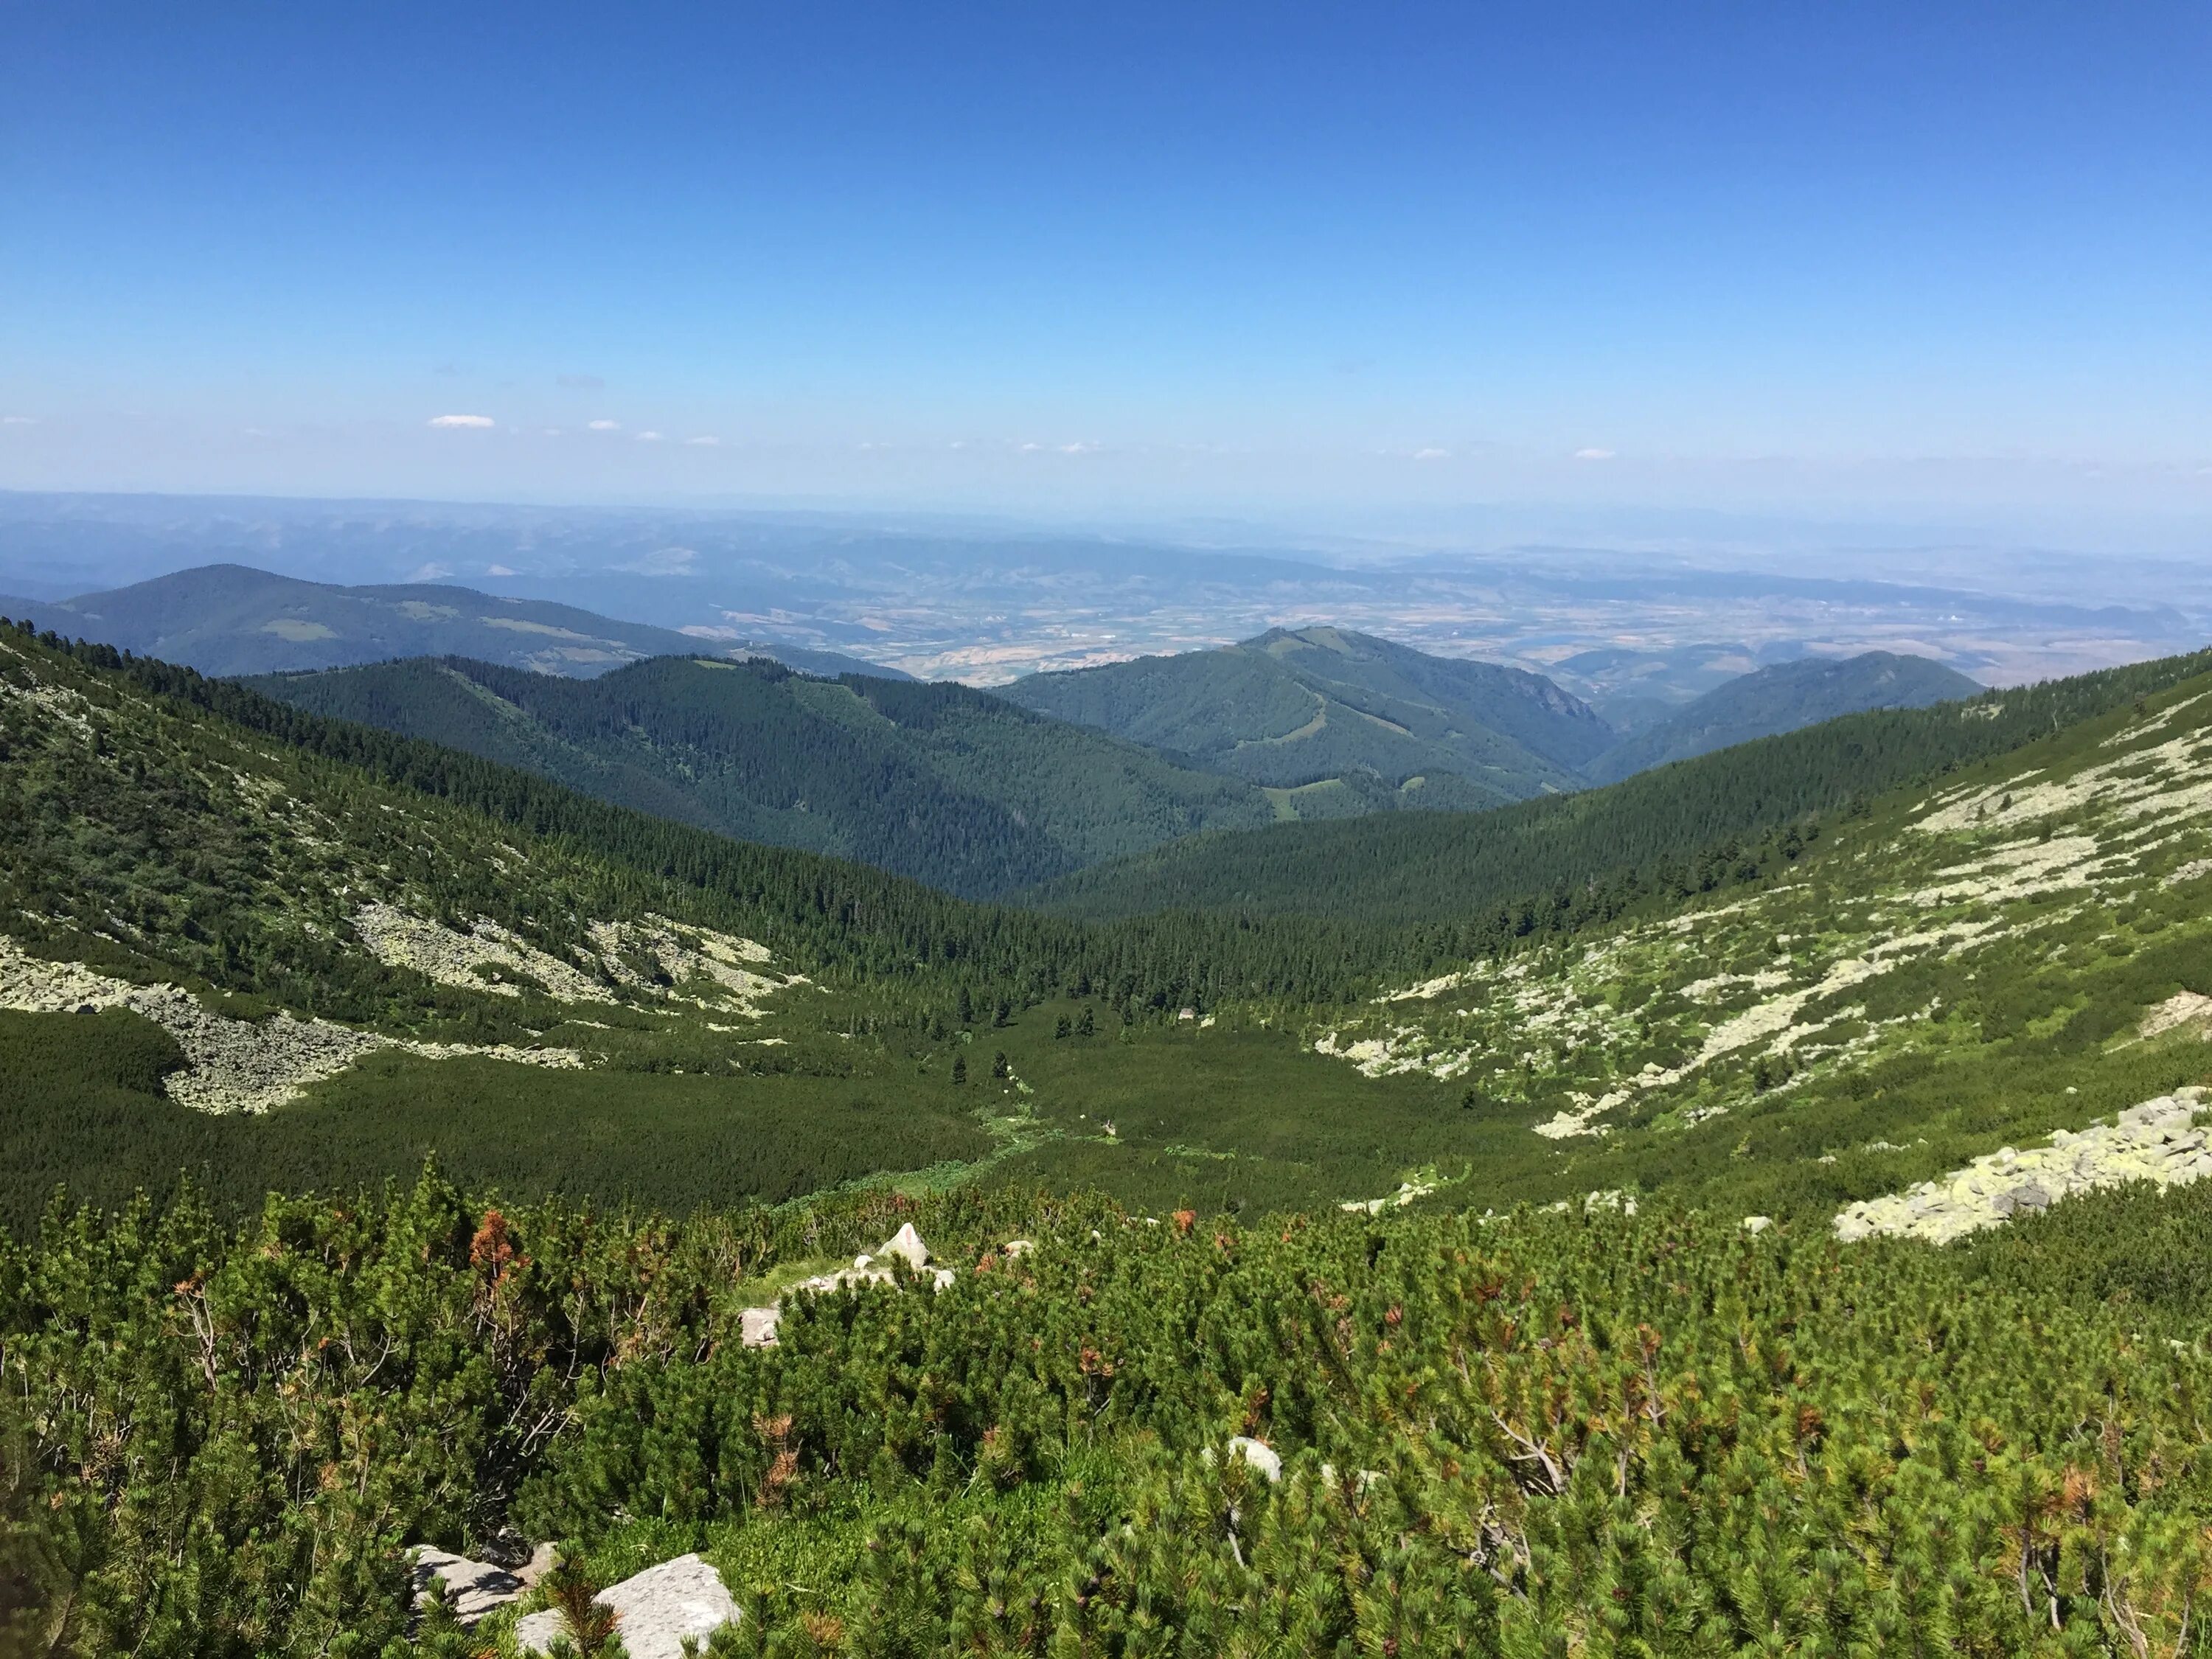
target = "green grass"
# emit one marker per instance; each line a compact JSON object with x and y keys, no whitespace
{"x":85,"y":1110}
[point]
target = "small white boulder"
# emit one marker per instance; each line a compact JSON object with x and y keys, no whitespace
{"x":654,"y":1612}
{"x":907,"y":1245}
{"x":1260,"y":1455}
{"x":757,"y":1327}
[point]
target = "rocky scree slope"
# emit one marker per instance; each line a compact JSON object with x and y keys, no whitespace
{"x":2007,"y":955}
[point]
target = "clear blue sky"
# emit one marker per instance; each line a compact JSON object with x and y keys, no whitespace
{"x":1051,"y":254}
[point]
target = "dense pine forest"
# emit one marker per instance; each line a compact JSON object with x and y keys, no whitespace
{"x":1586,"y":1433}
{"x":953,"y":786}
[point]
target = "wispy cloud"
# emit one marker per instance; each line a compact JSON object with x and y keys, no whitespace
{"x":1432,"y":454}
{"x":431,"y":573}
{"x":1593,"y":455}
{"x":500,"y":570}
{"x":702,"y":443}
{"x":648,"y":437}
{"x":605,"y":426}
{"x":469,"y":421}
{"x":19,"y":420}
{"x":1079,"y":449}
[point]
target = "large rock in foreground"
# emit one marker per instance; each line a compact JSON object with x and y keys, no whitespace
{"x":654,"y":1612}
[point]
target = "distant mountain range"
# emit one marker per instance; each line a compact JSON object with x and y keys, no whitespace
{"x":1784,"y":698}
{"x":986,"y":793}
{"x":939,"y":781}
{"x":231,"y":619}
{"x":979,"y":793}
{"x":1322,"y":712}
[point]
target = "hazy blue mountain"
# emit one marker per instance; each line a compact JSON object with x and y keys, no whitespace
{"x":233,"y":619}
{"x":939,"y":781}
{"x":1327,"y":707}
{"x":1784,"y":698}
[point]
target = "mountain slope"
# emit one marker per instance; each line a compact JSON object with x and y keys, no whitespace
{"x":948,"y":785}
{"x":1453,"y":869}
{"x":1294,"y":709}
{"x":2013,"y":948}
{"x":1783,"y":697}
{"x":1624,"y":1362}
{"x":231,"y":619}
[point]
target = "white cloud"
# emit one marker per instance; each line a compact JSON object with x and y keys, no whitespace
{"x":431,"y":573}
{"x":19,"y":420}
{"x":476,"y":422}
{"x":1432,"y":454}
{"x":500,"y":570}
{"x":607,"y":426}
{"x":1031,"y":449}
{"x":648,"y":437}
{"x":1079,"y":449}
{"x":702,"y":443}
{"x":1593,"y":455}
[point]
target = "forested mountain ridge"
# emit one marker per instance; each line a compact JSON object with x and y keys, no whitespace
{"x":1292,"y":709}
{"x":947,"y":785}
{"x":1431,"y":870}
{"x":233,"y":619}
{"x":1783,"y":697}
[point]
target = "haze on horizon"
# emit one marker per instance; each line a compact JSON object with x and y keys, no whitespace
{"x":1360,"y":264}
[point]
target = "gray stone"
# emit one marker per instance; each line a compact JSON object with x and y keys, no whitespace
{"x":757,"y":1327}
{"x":473,"y":1589}
{"x":653,"y":1612}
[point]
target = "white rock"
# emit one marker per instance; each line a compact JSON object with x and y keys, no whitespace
{"x":757,"y":1327}
{"x":653,"y":1612}
{"x":907,"y":1245}
{"x":1261,"y":1455}
{"x":472,"y":1588}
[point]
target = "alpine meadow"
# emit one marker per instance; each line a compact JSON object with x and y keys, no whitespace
{"x":1198,"y":832}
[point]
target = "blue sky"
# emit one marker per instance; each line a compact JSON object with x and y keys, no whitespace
{"x":1803,"y":256}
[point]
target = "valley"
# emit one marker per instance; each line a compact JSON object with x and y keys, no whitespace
{"x":305,"y":1020}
